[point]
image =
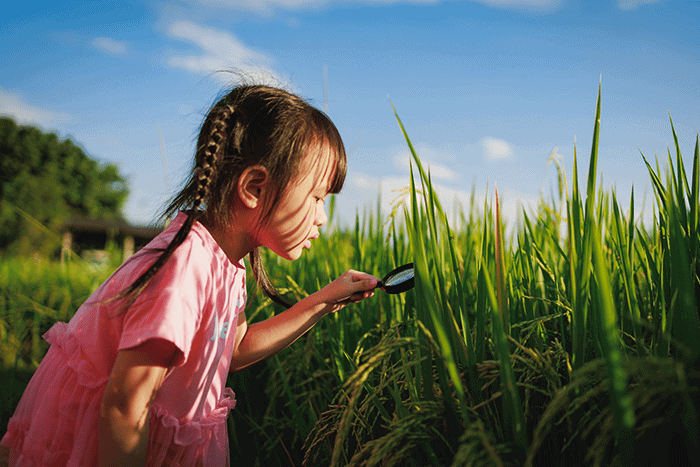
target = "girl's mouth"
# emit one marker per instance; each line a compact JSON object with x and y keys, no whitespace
{"x":307,"y":243}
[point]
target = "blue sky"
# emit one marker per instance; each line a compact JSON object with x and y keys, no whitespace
{"x":487,"y":89}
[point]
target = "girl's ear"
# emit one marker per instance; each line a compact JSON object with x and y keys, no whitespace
{"x":252,"y":184}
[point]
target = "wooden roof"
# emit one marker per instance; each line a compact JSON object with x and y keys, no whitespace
{"x":86,"y":224}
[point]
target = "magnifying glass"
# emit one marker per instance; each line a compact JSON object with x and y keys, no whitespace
{"x":399,"y":280}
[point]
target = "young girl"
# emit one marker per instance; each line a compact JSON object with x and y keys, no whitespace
{"x":137,"y":376}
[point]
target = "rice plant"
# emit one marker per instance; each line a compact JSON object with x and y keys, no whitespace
{"x":503,"y":336}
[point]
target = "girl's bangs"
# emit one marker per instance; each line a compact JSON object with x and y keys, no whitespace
{"x":332,"y":142}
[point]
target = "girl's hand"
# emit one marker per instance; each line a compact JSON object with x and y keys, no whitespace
{"x":350,"y":287}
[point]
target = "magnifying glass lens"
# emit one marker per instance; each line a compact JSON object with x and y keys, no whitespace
{"x":399,"y":280}
{"x":400,"y":277}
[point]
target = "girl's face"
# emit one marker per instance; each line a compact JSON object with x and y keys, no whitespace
{"x":295,"y":219}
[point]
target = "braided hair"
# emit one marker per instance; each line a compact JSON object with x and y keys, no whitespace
{"x":250,"y":125}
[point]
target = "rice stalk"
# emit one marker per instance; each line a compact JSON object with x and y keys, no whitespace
{"x":607,"y":317}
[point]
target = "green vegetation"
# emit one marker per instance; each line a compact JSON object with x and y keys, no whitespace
{"x":43,"y":182}
{"x":549,"y":348}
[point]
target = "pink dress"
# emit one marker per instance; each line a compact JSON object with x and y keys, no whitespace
{"x":194,"y":302}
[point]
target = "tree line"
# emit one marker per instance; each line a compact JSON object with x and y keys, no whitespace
{"x":44,"y":181}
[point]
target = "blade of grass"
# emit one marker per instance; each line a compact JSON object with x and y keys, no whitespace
{"x":482,"y":291}
{"x":685,"y":326}
{"x":502,"y":309}
{"x":610,"y":340}
{"x":583,"y":271}
{"x":514,"y":414}
{"x":430,"y":298}
{"x":627,"y":273}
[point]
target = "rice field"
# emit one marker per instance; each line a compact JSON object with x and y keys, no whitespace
{"x":547,"y":347}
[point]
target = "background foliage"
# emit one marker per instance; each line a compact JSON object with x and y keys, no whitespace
{"x":49,"y":180}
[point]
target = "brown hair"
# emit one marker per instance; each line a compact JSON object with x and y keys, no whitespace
{"x":250,"y":125}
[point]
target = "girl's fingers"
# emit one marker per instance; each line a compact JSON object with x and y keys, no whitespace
{"x":363,"y":280}
{"x":352,"y":287}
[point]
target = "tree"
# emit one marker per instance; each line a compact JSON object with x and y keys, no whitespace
{"x":49,"y":180}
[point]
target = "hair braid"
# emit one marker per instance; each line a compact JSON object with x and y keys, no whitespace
{"x":204,"y":174}
{"x":212,"y":153}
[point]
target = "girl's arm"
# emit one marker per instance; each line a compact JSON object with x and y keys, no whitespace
{"x":266,"y":338}
{"x":136,"y":376}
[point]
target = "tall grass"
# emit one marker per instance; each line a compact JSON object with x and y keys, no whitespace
{"x":549,"y":347}
{"x":34,"y":294}
{"x":500,"y":330}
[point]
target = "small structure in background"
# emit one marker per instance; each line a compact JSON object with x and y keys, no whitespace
{"x":89,"y":237}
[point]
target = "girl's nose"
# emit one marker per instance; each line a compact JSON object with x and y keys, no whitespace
{"x":321,"y":217}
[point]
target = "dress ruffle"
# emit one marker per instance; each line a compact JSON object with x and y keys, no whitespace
{"x":56,"y":420}
{"x":58,"y":336}
{"x":175,"y":443}
{"x":60,"y":408}
{"x":194,"y":432}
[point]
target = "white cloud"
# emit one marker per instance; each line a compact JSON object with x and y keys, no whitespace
{"x":437,"y":171}
{"x":13,"y":105}
{"x":110,"y":46}
{"x":441,"y":172}
{"x":221,"y":50}
{"x":633,"y":4}
{"x":361,"y":191}
{"x":511,"y":204}
{"x":539,"y":5}
{"x":293,"y":23}
{"x":496,"y":149}
{"x":267,"y":7}
{"x":363,"y":181}
{"x":428,"y":155}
